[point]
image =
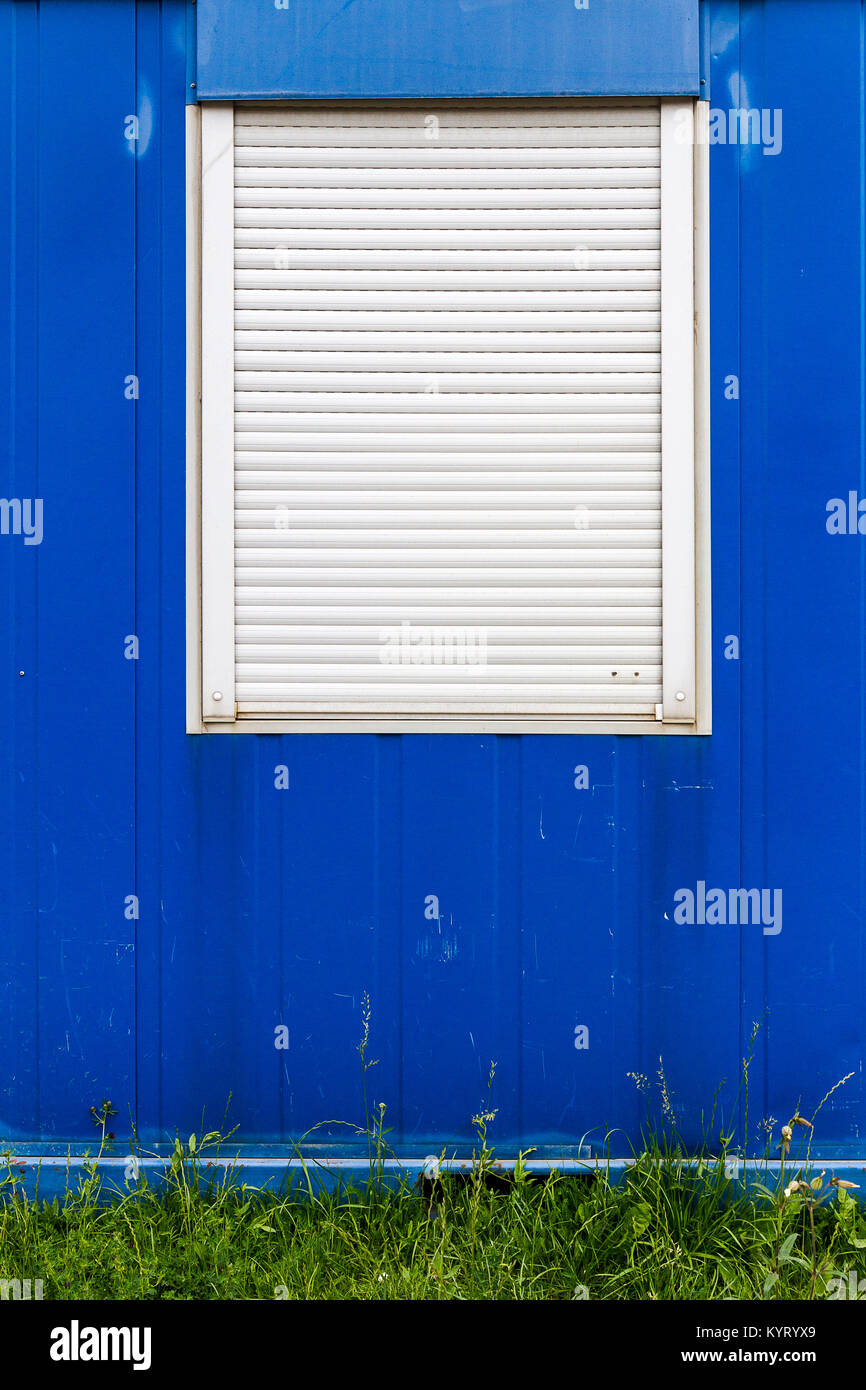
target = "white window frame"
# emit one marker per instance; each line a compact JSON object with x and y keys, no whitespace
{"x":686,"y":664}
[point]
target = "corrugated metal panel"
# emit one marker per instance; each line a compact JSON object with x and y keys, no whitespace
{"x":260,"y":907}
{"x":486,"y":536}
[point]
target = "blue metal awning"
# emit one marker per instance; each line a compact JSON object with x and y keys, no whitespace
{"x":446,"y":48}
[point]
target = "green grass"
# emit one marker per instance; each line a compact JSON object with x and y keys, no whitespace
{"x":667,"y":1232}
{"x":675,"y":1228}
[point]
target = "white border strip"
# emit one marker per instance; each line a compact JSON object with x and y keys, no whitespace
{"x":431,"y":1166}
{"x":217,"y":406}
{"x":678,"y":410}
{"x":703,"y":530}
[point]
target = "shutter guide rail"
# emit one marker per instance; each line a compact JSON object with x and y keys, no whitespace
{"x":678,"y":411}
{"x":217,"y":359}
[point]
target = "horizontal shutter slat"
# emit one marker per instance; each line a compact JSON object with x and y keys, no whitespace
{"x":603,"y":111}
{"x":452,"y":321}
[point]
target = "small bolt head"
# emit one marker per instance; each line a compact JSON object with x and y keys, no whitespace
{"x":217,"y":695}
{"x":681,"y":695}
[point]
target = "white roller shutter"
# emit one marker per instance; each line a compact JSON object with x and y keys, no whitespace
{"x":446,"y":361}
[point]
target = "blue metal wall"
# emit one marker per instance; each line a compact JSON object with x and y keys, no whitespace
{"x":260,"y":907}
